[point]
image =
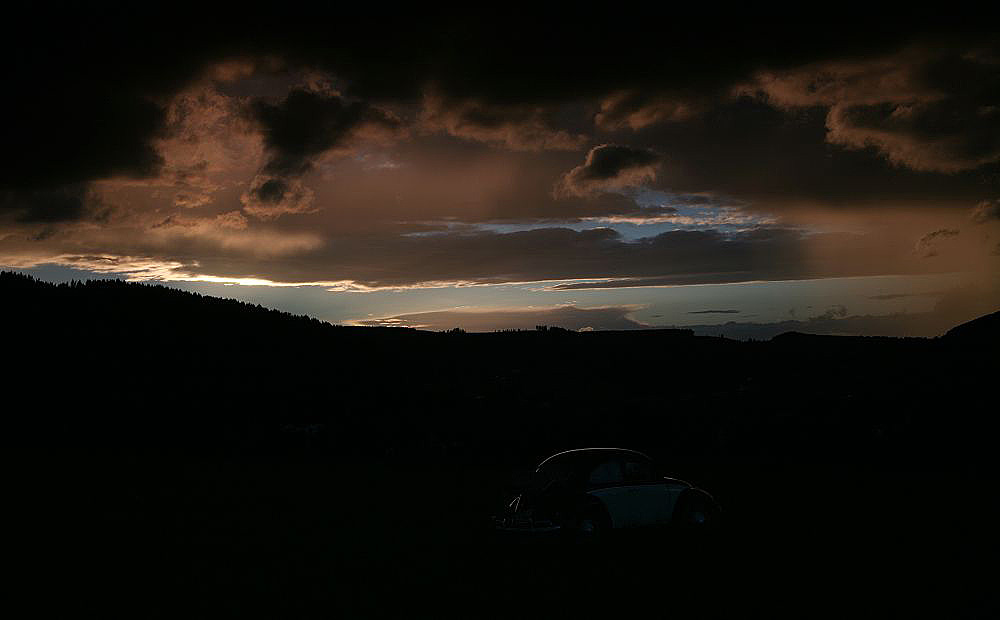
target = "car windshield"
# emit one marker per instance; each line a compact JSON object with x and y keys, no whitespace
{"x":555,"y":474}
{"x":587,"y":468}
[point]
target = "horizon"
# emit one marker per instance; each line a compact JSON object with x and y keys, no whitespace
{"x":829,"y":323}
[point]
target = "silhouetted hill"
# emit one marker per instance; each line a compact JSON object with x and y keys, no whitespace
{"x":149,"y":365}
{"x":130,"y":305}
{"x":984,"y":330}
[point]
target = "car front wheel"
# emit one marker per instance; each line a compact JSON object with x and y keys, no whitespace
{"x":590,"y":525}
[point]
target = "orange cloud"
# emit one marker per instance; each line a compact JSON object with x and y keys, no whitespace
{"x":924,"y":109}
{"x":515,"y":127}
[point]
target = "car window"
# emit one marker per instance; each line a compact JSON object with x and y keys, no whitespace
{"x":638,"y":471}
{"x":608,"y":472}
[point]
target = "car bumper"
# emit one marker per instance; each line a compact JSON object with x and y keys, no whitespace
{"x":516,"y":525}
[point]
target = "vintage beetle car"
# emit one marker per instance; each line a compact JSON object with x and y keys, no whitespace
{"x":588,"y":492}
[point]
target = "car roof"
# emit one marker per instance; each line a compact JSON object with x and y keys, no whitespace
{"x":587,"y":454}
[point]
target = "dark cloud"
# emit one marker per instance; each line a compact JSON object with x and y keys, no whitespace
{"x":46,"y":206}
{"x":610,"y":161}
{"x":77,"y":109}
{"x":306,"y":124}
{"x":297,"y":130}
{"x":928,"y":109}
{"x":86,"y":97}
{"x":82,"y":132}
{"x":610,"y":167}
{"x":936,"y":136}
{"x":776,"y":159}
{"x":675,"y":257}
{"x":270,"y":198}
{"x":271,"y":191}
{"x":511,"y":57}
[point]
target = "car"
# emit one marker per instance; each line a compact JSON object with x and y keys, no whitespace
{"x":587,"y":493}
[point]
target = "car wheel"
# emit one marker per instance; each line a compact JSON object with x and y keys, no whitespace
{"x":696,"y":509}
{"x":590,"y":525}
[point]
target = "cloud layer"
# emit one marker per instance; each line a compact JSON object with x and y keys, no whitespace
{"x":381,"y":152}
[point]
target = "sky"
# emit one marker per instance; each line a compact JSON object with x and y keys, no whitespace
{"x":740,"y":176}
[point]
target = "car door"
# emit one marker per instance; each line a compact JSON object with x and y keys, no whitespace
{"x":650,"y":501}
{"x":607,"y":483}
{"x":630,"y":494}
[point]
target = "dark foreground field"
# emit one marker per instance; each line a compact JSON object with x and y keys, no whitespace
{"x":293,"y":538}
{"x":179,"y":456}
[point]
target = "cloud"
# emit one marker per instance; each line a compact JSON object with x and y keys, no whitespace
{"x":705,"y":218}
{"x":936,"y":136}
{"x":637,"y":110}
{"x":986,"y":211}
{"x":271,"y":197}
{"x":67,"y":203}
{"x":91,"y":129}
{"x":681,"y":279}
{"x":596,"y":258}
{"x":928,"y":246}
{"x":609,"y":167}
{"x":541,"y":254}
{"x":191,"y":201}
{"x":307,"y":124}
{"x":208,"y":145}
{"x":486,"y":320}
{"x":232,"y":220}
{"x":230,"y":232}
{"x":778,"y":161}
{"x":516,"y":127}
{"x":926,"y":109}
{"x":638,"y":215}
{"x":299,"y":129}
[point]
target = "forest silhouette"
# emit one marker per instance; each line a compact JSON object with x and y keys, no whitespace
{"x":204,"y":442}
